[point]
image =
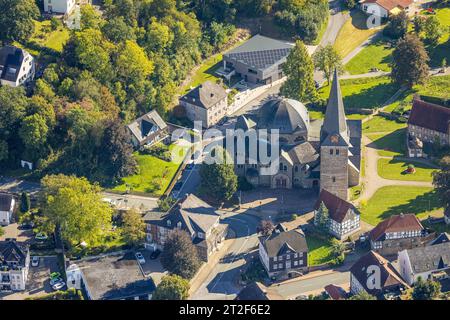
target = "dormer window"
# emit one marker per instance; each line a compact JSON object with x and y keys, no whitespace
{"x":179,"y":225}
{"x":169,"y":223}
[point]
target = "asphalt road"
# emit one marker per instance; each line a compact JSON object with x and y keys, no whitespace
{"x":221,"y":282}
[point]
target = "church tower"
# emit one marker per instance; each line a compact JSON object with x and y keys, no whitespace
{"x":334,"y":145}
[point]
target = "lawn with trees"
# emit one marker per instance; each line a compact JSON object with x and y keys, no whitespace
{"x":320,"y":250}
{"x":172,"y":287}
{"x":391,"y":200}
{"x":395,"y":169}
{"x":375,"y":55}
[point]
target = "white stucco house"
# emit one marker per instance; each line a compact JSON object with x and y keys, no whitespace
{"x":7,"y":203}
{"x":17,"y":66}
{"x":14,"y":265}
{"x":384,"y":8}
{"x":59,"y":6}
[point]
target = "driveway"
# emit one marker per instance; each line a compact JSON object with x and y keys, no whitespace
{"x":38,"y":282}
{"x":21,"y":235}
{"x":152,"y":267}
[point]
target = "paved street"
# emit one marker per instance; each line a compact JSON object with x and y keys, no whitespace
{"x":131,"y":201}
{"x":221,"y":284}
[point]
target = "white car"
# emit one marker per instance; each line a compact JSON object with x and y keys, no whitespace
{"x":58,"y":285}
{"x":41,"y":236}
{"x":140,"y":258}
{"x":35,"y":261}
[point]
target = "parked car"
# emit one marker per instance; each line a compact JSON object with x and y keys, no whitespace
{"x":155,"y":254}
{"x":140,"y":258}
{"x":55,"y":281}
{"x":58,"y":286}
{"x":41,"y":236}
{"x":35,"y":261}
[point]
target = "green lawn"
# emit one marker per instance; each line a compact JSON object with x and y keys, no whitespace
{"x":393,"y":169}
{"x":319,"y":250}
{"x":205,"y":72}
{"x":375,"y":55}
{"x":361,"y":93}
{"x":154,"y":175}
{"x":442,"y":50}
{"x":391,"y":200}
{"x":380,"y":124}
{"x":390,"y":144}
{"x":353,"y":33}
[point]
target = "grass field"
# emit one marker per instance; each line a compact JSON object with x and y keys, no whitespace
{"x":361,"y":93}
{"x":319,"y":250}
{"x":375,"y":55}
{"x":387,"y":201}
{"x":442,"y":50}
{"x":390,"y":144}
{"x":393,"y":169}
{"x":204,"y":73}
{"x":380,"y":124}
{"x":353,"y":33}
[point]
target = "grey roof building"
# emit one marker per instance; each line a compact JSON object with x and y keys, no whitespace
{"x":148,"y":129}
{"x":16,"y":66}
{"x":441,"y":238}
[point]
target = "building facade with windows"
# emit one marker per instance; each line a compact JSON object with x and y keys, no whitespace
{"x":14,"y":265}
{"x":7,"y":205}
{"x":17,"y":66}
{"x":59,"y":6}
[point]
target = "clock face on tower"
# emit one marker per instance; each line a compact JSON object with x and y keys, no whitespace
{"x":335,"y":138}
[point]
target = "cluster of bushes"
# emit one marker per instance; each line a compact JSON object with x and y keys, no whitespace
{"x":159,"y":150}
{"x":254,"y":272}
{"x":70,"y":294}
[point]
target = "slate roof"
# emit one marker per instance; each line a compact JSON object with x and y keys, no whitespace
{"x":441,"y":238}
{"x":287,"y":115}
{"x":260,"y":52}
{"x":11,"y":59}
{"x":391,"y":4}
{"x":429,"y":258}
{"x":355,"y":133}
{"x":338,"y":209}
{"x":334,"y":123}
{"x":390,"y":278}
{"x":258,"y":291}
{"x":396,"y":223}
{"x":12,"y":251}
{"x":430,"y":116}
{"x":205,"y":95}
{"x":115,"y":277}
{"x":142,"y":126}
{"x":5,"y":201}
{"x":244,"y":123}
{"x":303,"y":153}
{"x":278,"y":242}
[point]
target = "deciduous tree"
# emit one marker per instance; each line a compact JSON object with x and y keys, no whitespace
{"x":133,"y":228}
{"x":426,"y":290}
{"x":16,"y":19}
{"x":441,"y":181}
{"x":326,"y":59}
{"x":172,"y":287}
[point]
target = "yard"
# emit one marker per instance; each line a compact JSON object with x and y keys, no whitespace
{"x":376,"y":55}
{"x":353,"y":33}
{"x":394,"y":169}
{"x":442,"y":50}
{"x":390,"y":144}
{"x":364,"y":93}
{"x":204,"y":72}
{"x":391,"y":200}
{"x":320,"y":250}
{"x":154,"y":175}
{"x":381,"y":124}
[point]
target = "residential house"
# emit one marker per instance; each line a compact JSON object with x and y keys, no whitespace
{"x":116,"y":276}
{"x":397,"y":233}
{"x":284,"y":253}
{"x":385,"y":8}
{"x":258,"y":291}
{"x":17,"y":66}
{"x":427,"y":123}
{"x":373,"y":274}
{"x":193,"y":215}
{"x":343,"y":216}
{"x":207,"y":103}
{"x":14,"y":265}
{"x":7,"y":204}
{"x":259,"y":60}
{"x":59,"y":6}
{"x":429,"y":263}
{"x":148,"y":130}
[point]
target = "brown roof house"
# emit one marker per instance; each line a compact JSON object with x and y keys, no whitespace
{"x":335,"y":292}
{"x":7,"y":203}
{"x":343,"y":217}
{"x":193,"y":215}
{"x":375,"y":275}
{"x":207,"y":103}
{"x":398,"y":233}
{"x":284,"y":253}
{"x":385,"y":8}
{"x":258,"y":291}
{"x":148,"y":130}
{"x":427,"y":123}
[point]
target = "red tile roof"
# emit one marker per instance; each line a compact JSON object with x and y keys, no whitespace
{"x":391,"y":4}
{"x":398,"y":223}
{"x":336,"y":206}
{"x":335,"y":292}
{"x":430,"y":116}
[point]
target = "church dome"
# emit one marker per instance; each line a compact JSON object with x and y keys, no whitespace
{"x":287,"y":115}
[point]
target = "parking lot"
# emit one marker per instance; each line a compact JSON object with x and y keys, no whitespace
{"x":152,"y":267}
{"x":38,"y":282}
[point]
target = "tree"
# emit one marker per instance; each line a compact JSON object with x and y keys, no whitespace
{"x":75,"y":206}
{"x":133,"y":62}
{"x":299,"y":70}
{"x":2,"y":232}
{"x":218,"y":180}
{"x":398,"y":25}
{"x":90,"y":18}
{"x":117,"y":30}
{"x":33,"y":132}
{"x":16,"y":20}
{"x":25,"y":202}
{"x":441,"y":181}
{"x":164,"y":204}
{"x":337,"y":247}
{"x":133,"y":228}
{"x":350,"y":3}
{"x":363,"y":295}
{"x":426,"y":290}
{"x":179,"y":255}
{"x":418,"y":22}
{"x":326,"y":59}
{"x":409,"y":65}
{"x":265,"y":227}
{"x":433,"y":30}
{"x":172,"y":287}
{"x":322,"y":217}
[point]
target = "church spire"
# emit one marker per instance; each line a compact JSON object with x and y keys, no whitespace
{"x":335,"y":122}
